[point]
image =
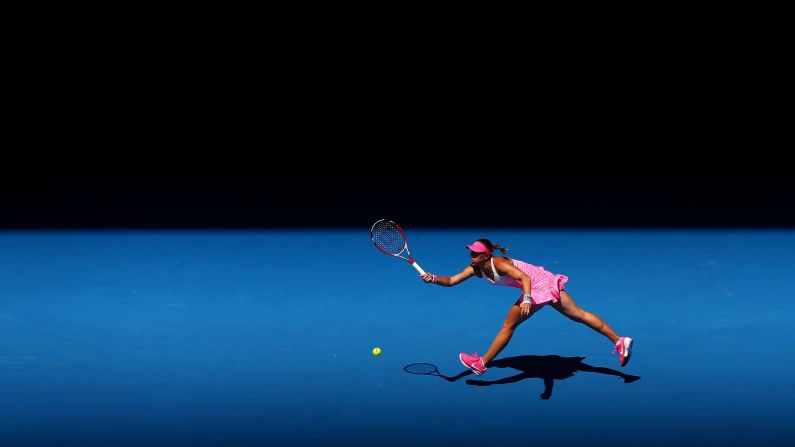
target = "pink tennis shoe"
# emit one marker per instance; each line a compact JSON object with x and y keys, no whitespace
{"x":473,"y":362}
{"x":624,"y":350}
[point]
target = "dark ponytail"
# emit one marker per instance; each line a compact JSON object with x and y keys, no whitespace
{"x":492,"y":246}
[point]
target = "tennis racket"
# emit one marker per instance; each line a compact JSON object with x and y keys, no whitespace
{"x":390,"y":239}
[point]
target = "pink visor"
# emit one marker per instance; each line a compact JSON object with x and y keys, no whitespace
{"x":478,"y":247}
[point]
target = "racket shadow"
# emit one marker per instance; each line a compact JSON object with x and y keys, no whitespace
{"x":548,"y":368}
{"x":429,"y":369}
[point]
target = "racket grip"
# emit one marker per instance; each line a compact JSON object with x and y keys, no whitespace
{"x":419,"y":269}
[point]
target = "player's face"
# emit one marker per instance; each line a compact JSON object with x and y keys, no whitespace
{"x":478,"y":258}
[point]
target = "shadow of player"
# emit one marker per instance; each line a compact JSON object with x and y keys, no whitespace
{"x":547,"y":367}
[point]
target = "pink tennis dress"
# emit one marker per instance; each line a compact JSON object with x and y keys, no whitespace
{"x":546,"y":286}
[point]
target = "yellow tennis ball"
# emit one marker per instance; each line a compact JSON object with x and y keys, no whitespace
{"x":376,"y":351}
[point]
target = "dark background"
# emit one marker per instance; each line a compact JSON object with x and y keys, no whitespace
{"x":469,"y":197}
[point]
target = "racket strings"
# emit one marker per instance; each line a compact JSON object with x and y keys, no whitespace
{"x":389,"y":237}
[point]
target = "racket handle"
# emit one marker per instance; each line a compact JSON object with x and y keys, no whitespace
{"x":419,"y":269}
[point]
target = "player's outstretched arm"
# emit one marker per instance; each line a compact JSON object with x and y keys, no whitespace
{"x":450,"y":281}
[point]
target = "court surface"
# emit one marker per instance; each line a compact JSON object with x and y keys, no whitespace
{"x":264,"y":337}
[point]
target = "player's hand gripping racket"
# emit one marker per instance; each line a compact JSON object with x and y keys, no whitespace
{"x":390,"y":239}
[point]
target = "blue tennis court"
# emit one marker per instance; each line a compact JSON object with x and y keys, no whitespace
{"x":216,"y":338}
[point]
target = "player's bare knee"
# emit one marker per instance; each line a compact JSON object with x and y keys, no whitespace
{"x":509,"y":325}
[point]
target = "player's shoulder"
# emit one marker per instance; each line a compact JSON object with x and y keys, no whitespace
{"x":502,"y":262}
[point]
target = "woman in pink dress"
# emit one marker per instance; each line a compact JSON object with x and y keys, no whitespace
{"x":539,"y":288}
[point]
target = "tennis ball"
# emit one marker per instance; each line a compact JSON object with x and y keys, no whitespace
{"x":376,"y":351}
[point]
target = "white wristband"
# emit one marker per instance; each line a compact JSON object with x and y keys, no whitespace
{"x":526,"y":299}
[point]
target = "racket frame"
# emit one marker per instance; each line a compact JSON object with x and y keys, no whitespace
{"x":408,"y":258}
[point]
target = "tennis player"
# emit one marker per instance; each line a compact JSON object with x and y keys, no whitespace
{"x":539,"y":288}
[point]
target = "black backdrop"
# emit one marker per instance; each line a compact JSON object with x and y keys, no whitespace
{"x":467,"y":199}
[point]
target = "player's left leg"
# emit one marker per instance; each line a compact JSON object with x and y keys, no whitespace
{"x":567,"y":306}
